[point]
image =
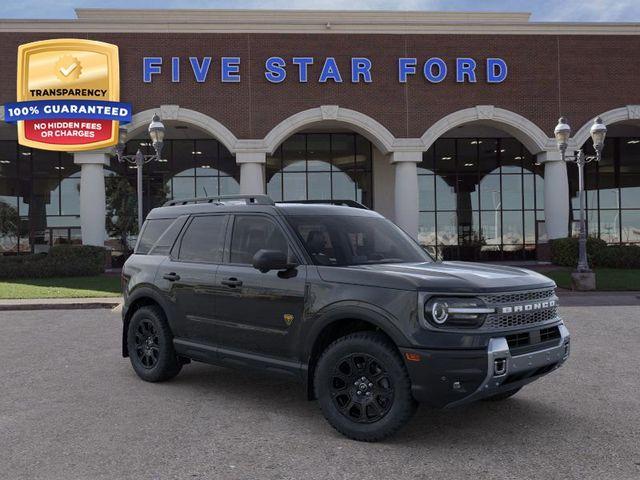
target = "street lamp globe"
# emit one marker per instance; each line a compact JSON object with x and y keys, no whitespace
{"x":598,"y":132}
{"x":562,"y":133}
{"x":156,"y":132}
{"x":122,"y":139}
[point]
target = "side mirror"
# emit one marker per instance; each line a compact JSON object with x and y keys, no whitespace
{"x":265,"y":260}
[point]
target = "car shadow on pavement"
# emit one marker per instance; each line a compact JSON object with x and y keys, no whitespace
{"x":511,"y":420}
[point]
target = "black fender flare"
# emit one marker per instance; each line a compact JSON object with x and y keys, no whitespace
{"x":140,"y":292}
{"x":357,"y":311}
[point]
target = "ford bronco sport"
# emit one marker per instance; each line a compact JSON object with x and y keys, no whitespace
{"x":338,"y":298}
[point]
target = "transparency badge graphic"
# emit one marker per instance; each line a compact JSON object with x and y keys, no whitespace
{"x":68,"y":95}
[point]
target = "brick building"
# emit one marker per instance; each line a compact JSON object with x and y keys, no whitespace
{"x":443,"y":122}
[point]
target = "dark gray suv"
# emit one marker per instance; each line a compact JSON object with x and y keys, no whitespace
{"x":338,"y":298}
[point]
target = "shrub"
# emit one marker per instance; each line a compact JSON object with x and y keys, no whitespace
{"x":618,"y":256}
{"x":61,"y":261}
{"x":564,"y":252}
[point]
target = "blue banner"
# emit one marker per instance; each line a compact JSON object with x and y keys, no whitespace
{"x":67,"y":109}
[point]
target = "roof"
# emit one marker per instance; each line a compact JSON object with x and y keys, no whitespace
{"x":310,"y":21}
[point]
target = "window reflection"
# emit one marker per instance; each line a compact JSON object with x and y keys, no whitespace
{"x":321,"y":166}
{"x":612,"y":190}
{"x":479,"y":199}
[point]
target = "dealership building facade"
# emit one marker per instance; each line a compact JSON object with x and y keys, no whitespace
{"x":443,"y":122}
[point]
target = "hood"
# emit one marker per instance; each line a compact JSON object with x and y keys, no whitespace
{"x":450,"y":277}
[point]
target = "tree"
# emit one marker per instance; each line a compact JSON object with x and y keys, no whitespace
{"x":122,"y":215}
{"x":9,"y":221}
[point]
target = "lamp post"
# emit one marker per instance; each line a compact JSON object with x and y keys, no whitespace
{"x":156,"y":133}
{"x":562,"y":133}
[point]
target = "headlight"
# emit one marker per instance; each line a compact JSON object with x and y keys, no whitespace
{"x":456,"y":312}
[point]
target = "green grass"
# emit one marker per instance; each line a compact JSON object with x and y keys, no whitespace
{"x":607,"y":279}
{"x":68,"y":287}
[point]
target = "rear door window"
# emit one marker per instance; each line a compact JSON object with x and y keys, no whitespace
{"x":203,"y":241}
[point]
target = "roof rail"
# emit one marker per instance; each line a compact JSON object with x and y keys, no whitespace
{"x":344,"y":203}
{"x":221,"y":199}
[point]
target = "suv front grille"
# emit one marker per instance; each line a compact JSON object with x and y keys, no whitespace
{"x":518,"y":297}
{"x":500,"y":321}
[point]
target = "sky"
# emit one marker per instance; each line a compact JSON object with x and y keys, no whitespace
{"x":542,"y":10}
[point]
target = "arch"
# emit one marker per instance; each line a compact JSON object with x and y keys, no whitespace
{"x":373,"y":130}
{"x":527,"y":132}
{"x":629,"y":112}
{"x":141,"y":120}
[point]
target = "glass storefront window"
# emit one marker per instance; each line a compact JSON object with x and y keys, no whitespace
{"x":321,"y":166}
{"x":479,"y":199}
{"x":612,"y":191}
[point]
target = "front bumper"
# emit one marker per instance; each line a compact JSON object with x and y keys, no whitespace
{"x":450,"y":378}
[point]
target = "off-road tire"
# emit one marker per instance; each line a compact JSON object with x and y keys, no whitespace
{"x":159,"y":361}
{"x":377,"y":354}
{"x":502,"y":396}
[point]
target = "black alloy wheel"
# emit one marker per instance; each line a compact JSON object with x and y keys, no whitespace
{"x":363,"y":387}
{"x":147,"y":347}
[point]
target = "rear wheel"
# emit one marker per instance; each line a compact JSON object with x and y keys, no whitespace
{"x":150,"y":345}
{"x":502,"y":396}
{"x":363,"y":387}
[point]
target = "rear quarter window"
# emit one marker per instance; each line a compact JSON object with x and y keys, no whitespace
{"x":151,"y":233}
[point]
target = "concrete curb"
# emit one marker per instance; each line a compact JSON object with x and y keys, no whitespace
{"x":59,"y":304}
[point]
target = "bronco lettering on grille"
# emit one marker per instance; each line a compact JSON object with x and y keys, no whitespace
{"x":528,"y":307}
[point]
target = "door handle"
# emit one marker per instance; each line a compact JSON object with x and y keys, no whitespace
{"x":232,"y":282}
{"x":172,"y":277}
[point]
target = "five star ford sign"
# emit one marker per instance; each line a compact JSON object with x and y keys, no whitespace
{"x":68,"y":94}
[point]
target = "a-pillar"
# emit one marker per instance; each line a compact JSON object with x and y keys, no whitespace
{"x":406,"y":190}
{"x":556,"y":194}
{"x":251,"y":172}
{"x":93,"y":208}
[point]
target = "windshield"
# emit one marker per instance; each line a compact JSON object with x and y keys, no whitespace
{"x":343,"y":240}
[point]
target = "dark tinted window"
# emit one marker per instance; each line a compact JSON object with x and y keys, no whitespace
{"x":204,"y":239}
{"x":151,"y":232}
{"x":353,"y":240}
{"x":168,"y":238}
{"x":252,"y":233}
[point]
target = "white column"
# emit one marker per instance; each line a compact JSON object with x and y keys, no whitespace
{"x":251,"y":172}
{"x":556,"y":194}
{"x":406,"y":190}
{"x":93,"y":208}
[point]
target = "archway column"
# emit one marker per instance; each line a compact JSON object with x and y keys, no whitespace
{"x":556,"y":194}
{"x":251,"y":172}
{"x":93,"y":210}
{"x":406,"y":190}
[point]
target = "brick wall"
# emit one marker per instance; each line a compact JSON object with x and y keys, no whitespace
{"x":578,"y":76}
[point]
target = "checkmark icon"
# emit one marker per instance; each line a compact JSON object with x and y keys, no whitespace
{"x":68,"y":68}
{"x":66,"y":71}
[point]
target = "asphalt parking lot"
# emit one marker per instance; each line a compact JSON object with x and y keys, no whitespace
{"x":72,"y":408}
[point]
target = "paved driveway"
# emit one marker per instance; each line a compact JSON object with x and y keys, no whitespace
{"x":72,"y":408}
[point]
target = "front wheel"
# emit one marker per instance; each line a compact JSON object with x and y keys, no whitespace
{"x":363,"y":387}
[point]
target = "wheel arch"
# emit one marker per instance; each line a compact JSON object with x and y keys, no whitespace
{"x":343,"y":320}
{"x":141,"y":297}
